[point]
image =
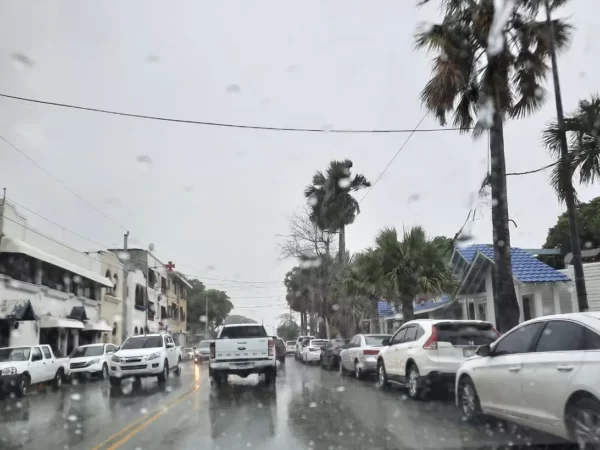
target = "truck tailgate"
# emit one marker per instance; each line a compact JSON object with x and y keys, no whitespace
{"x":241,"y":349}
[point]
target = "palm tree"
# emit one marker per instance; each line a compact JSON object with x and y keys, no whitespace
{"x":471,"y":78}
{"x":332,"y":206}
{"x":411,"y":267}
{"x":582,"y":127}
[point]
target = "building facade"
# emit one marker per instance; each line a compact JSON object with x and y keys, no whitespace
{"x":49,"y":292}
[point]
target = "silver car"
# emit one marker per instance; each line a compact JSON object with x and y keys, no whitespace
{"x":360,"y":355}
{"x":202,"y":352}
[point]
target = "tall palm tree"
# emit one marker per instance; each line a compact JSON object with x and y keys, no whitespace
{"x":332,"y":206}
{"x":582,"y":127}
{"x":411,"y":267}
{"x":471,"y":78}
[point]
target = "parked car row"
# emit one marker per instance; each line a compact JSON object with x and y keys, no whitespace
{"x":139,"y":356}
{"x":542,"y":374}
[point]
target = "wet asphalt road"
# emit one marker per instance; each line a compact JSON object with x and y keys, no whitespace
{"x":307,"y":408}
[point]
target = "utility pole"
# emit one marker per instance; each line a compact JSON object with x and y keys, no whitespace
{"x":564,"y":154}
{"x":125,"y":281}
{"x":206,"y":322}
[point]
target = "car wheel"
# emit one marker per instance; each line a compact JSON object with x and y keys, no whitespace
{"x":468,"y":399}
{"x":219,"y":379}
{"x":104,"y":373}
{"x":341,"y":368}
{"x":23,"y":385}
{"x":270,"y":376}
{"x":57,"y":382}
{"x":413,"y":382}
{"x":162,"y":377}
{"x":115,"y":382}
{"x":357,"y":371}
{"x":178,"y":368}
{"x":382,"y":379}
{"x":583,"y":422}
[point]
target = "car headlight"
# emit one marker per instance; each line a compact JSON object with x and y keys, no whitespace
{"x":9,"y":371}
{"x":154,"y":356}
{"x":116,"y":359}
{"x":93,"y":361}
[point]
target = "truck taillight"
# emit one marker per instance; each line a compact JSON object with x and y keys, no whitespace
{"x":370,"y":352}
{"x":431,"y":343}
{"x":271,"y":347}
{"x":212,"y":350}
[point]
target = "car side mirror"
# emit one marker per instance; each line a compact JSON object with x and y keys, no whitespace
{"x":484,"y":350}
{"x":385,"y":342}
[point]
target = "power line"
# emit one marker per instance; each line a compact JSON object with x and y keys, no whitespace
{"x":533,"y":171}
{"x":55,"y":178}
{"x":105,"y":247}
{"x":227,"y":125}
{"x":260,"y":306}
{"x":413,"y":131}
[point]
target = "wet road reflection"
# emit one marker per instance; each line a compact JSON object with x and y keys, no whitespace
{"x":306,"y":408}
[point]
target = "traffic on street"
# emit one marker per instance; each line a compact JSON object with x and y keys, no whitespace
{"x":307,"y":407}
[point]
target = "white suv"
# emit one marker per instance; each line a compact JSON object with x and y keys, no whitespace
{"x":150,"y":355}
{"x":424,"y":354}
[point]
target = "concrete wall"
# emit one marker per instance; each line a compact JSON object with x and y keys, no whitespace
{"x":591,"y":272}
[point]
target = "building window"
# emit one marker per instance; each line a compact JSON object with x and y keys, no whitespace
{"x":109,"y":291}
{"x":135,"y":330}
{"x":114,"y":330}
{"x":139,"y":295}
{"x":163,"y":285}
{"x":115,"y":284}
{"x":151,"y":278}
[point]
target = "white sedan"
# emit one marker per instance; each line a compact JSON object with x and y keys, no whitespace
{"x":311,"y":353}
{"x":91,"y":360}
{"x":542,"y":374}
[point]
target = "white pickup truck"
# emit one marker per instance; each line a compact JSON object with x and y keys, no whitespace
{"x":21,"y":367}
{"x":242,"y":349}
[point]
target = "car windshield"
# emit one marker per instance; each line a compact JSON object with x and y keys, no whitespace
{"x":376,"y":340}
{"x":250,"y":331}
{"x":94,"y":350}
{"x":319,"y":342}
{"x":14,"y":354}
{"x":204,"y":344}
{"x":142,"y":342}
{"x":290,"y":343}
{"x":466,"y":334}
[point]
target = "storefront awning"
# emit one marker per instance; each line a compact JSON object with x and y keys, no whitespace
{"x":16,"y":310}
{"x":60,"y":322}
{"x":11,"y":245}
{"x":97,"y":326}
{"x":78,"y":313}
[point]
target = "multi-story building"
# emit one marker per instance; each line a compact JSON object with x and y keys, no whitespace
{"x":49,"y":292}
{"x":156,"y":295}
{"x":177,"y":299}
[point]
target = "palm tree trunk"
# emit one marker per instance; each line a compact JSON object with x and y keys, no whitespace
{"x":568,"y":179}
{"x":408,"y":308}
{"x":505,"y":299}
{"x":342,"y":244}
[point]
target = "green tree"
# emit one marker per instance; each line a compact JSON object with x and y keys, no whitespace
{"x":582,"y":127}
{"x":410,"y":267}
{"x":498,"y":81}
{"x":288,"y":329}
{"x":332,"y":206}
{"x":219,"y":307}
{"x":588,"y":219}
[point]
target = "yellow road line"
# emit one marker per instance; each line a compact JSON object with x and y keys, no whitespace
{"x":142,"y":423}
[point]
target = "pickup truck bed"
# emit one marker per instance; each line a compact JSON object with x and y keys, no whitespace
{"x":242,"y":349}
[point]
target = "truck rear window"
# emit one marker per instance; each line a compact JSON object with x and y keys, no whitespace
{"x":243,"y":332}
{"x":466,"y":333}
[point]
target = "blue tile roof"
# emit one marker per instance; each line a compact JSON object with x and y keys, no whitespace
{"x":526,"y":267}
{"x":385,"y":308}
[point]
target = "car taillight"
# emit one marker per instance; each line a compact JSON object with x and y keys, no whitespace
{"x":370,"y":352}
{"x":271,"y":347}
{"x":431,"y":343}
{"x":212,"y":350}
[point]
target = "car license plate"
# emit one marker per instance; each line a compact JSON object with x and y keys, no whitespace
{"x":244,"y":365}
{"x":467,"y":352}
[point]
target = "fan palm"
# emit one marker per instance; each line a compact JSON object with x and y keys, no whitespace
{"x":332,"y":206}
{"x":473,"y":78}
{"x":582,"y":127}
{"x":413,"y":266}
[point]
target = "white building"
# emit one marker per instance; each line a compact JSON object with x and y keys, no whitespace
{"x":49,"y":293}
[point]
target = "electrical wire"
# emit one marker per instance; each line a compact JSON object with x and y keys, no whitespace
{"x":226,"y":125}
{"x":59,"y":181}
{"x":414,"y":130}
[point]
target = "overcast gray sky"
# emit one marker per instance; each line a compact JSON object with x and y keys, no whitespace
{"x":213,"y":199}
